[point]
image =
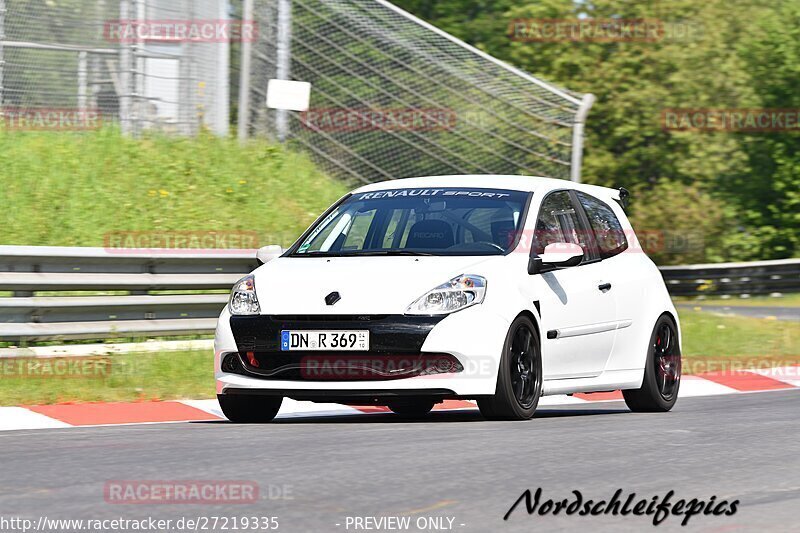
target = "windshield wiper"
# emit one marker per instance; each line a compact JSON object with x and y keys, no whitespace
{"x":317,"y":253}
{"x":362,"y":253}
{"x":393,"y":252}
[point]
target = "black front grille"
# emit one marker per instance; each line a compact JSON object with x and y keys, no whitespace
{"x":395,"y":347}
{"x":388,"y":334}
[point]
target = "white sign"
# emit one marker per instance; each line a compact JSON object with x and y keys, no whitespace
{"x":289,"y":95}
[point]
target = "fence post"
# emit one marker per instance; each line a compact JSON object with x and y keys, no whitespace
{"x":222,"y":102}
{"x":137,"y":71}
{"x":2,"y":52}
{"x":577,"y":137}
{"x":283,"y":61}
{"x":125,"y":60}
{"x":244,"y":77}
{"x":95,"y":60}
{"x":185,"y":85}
{"x":189,"y":53}
{"x":82,"y":80}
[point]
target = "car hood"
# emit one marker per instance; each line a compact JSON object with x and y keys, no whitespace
{"x":367,"y":285}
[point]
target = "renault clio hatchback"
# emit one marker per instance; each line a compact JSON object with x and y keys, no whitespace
{"x":498,"y":289}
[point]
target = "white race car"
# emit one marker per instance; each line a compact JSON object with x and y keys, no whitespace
{"x":499,"y":289}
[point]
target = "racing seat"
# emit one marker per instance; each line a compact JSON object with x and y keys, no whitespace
{"x":503,"y":232}
{"x":430,"y":234}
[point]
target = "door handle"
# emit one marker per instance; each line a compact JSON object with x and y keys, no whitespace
{"x":604,"y":286}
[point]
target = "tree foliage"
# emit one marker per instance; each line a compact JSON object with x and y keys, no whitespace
{"x":733,"y":54}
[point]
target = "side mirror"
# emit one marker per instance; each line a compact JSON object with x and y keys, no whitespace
{"x":556,"y":255}
{"x":268,"y":253}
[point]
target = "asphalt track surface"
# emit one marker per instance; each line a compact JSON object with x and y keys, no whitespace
{"x":451,"y":464}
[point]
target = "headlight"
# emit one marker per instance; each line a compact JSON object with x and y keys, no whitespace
{"x":243,"y":297}
{"x":457,"y":294}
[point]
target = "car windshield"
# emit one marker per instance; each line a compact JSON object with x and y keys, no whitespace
{"x":445,"y":221}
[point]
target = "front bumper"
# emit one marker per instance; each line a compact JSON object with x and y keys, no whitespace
{"x":472,"y":337}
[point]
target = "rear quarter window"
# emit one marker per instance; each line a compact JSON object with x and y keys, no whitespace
{"x":608,"y":232}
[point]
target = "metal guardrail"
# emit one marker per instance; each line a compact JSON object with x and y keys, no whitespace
{"x":64,"y":259}
{"x":46,"y":283}
{"x":716,"y":279}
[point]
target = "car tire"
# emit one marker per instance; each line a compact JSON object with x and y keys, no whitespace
{"x":412,"y":407}
{"x":519,"y":378}
{"x":662,"y":372}
{"x":249,"y":409}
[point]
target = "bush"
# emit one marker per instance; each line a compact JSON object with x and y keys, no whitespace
{"x":678,"y":223}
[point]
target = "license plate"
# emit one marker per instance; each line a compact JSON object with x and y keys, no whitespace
{"x":328,"y":340}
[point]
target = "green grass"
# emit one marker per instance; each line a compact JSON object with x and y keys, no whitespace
{"x":787,"y":300}
{"x":120,"y":377}
{"x":71,"y":189}
{"x":712,"y":343}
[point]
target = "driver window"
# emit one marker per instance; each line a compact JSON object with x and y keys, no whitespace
{"x":557,"y":222}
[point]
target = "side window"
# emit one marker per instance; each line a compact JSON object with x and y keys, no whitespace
{"x":608,"y":232}
{"x":557,"y":222}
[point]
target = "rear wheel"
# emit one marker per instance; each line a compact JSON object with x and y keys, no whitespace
{"x":519,"y":379}
{"x":412,"y":407}
{"x":662,"y":373}
{"x":249,"y":409}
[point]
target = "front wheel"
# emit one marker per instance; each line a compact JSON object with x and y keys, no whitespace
{"x":249,"y":409}
{"x":662,"y":372}
{"x":519,"y":379}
